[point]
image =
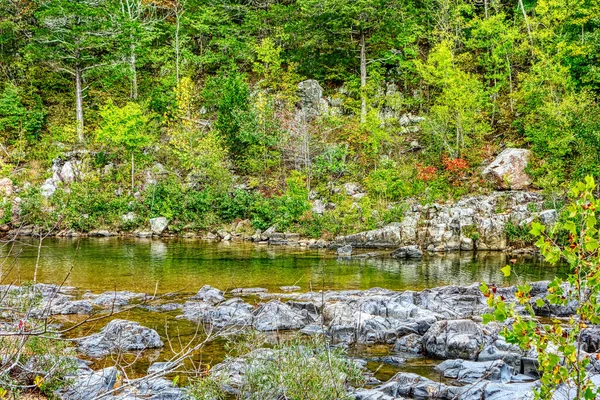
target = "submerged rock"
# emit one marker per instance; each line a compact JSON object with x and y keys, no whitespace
{"x":407,"y":252}
{"x":122,"y":298}
{"x":119,"y":336}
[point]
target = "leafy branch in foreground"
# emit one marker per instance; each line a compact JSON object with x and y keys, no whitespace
{"x":563,"y":362}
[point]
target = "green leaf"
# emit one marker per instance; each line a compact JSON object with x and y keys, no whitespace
{"x":570,"y":227}
{"x":589,"y":182}
{"x":506,"y":270}
{"x":540,"y":303}
{"x":537,"y":229}
{"x":592,"y":245}
{"x":484,"y":288}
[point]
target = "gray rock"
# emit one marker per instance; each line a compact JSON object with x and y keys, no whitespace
{"x":89,"y":384}
{"x":311,"y":102}
{"x":319,"y":207}
{"x":209,"y":294}
{"x":119,"y":336}
{"x":548,"y":217}
{"x":289,"y":288}
{"x":351,"y":188}
{"x":344,"y":251}
{"x":160,"y":367}
{"x":454,"y":339}
{"x":507,"y":171}
{"x":498,"y":391}
{"x":233,"y":312}
{"x":117,"y":299}
{"x":248,"y":291}
{"x":275,"y":316}
{"x":48,"y":188}
{"x":411,"y":343}
{"x":407,"y":252}
{"x":158,"y":225}
{"x":472,"y":371}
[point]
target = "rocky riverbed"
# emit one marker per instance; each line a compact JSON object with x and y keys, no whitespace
{"x":444,"y":324}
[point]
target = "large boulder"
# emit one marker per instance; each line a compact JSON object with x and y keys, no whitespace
{"x":507,"y":171}
{"x":119,"y":336}
{"x":407,"y":252}
{"x":233,"y":312}
{"x":461,"y":338}
{"x":275,"y":315}
{"x":158,"y":225}
{"x":115,"y":299}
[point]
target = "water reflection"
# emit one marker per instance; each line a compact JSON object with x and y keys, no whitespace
{"x":141,"y":265}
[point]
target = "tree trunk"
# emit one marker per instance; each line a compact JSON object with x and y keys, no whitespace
{"x":132,"y":172}
{"x":134,"y":84}
{"x":79,"y":104}
{"x":177,"y":17}
{"x":363,"y":79}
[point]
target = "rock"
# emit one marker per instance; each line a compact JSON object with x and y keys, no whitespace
{"x":48,"y":188}
{"x":159,"y":367}
{"x":344,"y":251}
{"x":507,"y":171}
{"x":390,"y":360}
{"x":158,"y":225}
{"x":6,"y":187}
{"x":590,"y":339}
{"x":129,"y":217}
{"x":119,"y":336}
{"x":311,"y":102}
{"x":405,"y":384}
{"x":498,"y":391}
{"x":248,"y":291}
{"x":319,"y":207}
{"x":275,"y":316}
{"x":548,"y":217}
{"x":454,"y":339}
{"x":110,"y":299}
{"x":351,"y":188}
{"x":89,"y":384}
{"x":411,"y":343}
{"x":233,"y":312}
{"x":209,"y":295}
{"x":61,"y":304}
{"x":289,"y":288}
{"x":472,"y":371}
{"x":407,"y":252}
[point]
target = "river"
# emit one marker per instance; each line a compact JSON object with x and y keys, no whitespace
{"x":183,"y":266}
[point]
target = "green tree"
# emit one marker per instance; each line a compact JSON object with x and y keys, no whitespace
{"x":125,"y":127}
{"x":73,"y":37}
{"x":457,"y":119}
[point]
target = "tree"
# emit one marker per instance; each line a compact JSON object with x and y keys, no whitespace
{"x":125,"y":127}
{"x":559,"y":345}
{"x":374,"y":27}
{"x":457,"y":118}
{"x":136,"y":22}
{"x":73,"y":37}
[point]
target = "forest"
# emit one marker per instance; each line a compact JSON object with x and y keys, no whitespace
{"x":193,"y":110}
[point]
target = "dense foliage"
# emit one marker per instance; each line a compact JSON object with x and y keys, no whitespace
{"x":566,"y":369}
{"x":190,"y":108}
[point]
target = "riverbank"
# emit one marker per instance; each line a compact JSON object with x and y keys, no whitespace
{"x":499,"y":221}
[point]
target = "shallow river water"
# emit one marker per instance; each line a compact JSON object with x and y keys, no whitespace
{"x":183,"y":266}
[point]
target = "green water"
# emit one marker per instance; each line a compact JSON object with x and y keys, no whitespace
{"x":166,"y":266}
{"x":183,"y":266}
